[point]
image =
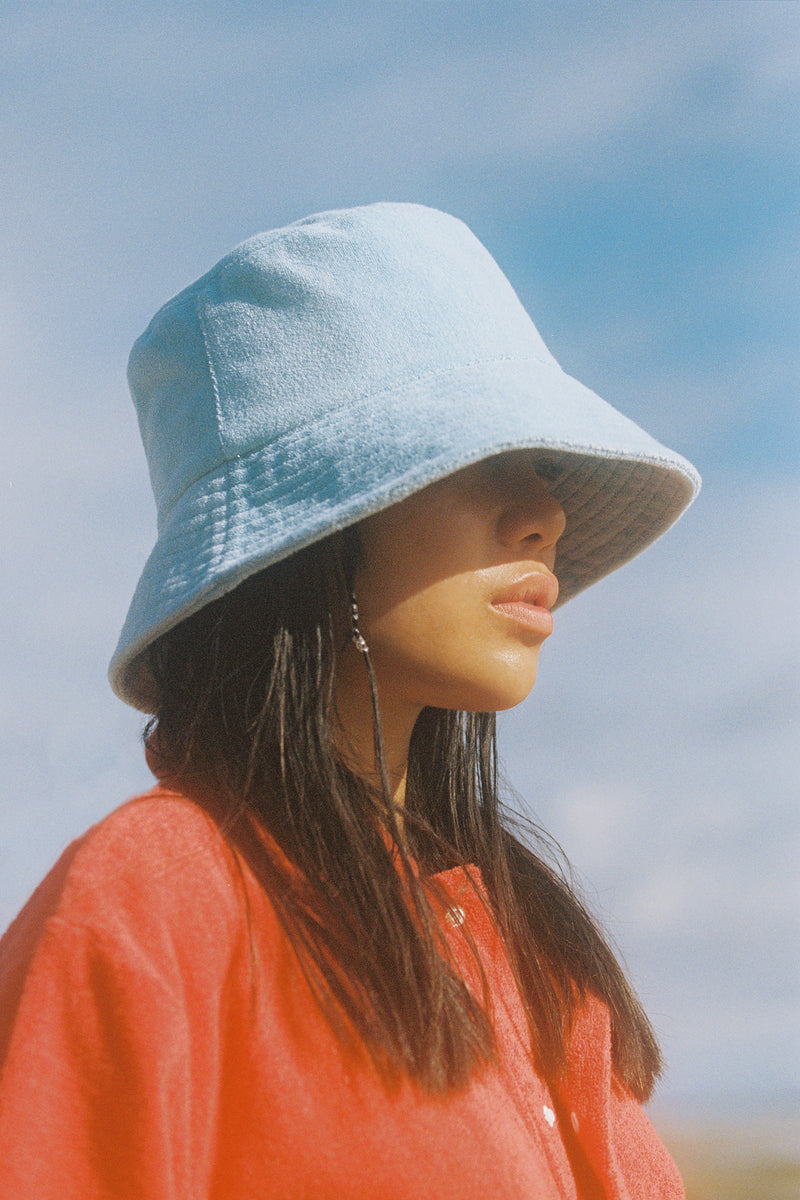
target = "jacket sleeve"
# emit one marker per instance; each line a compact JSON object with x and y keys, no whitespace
{"x":110,"y":1046}
{"x":95,"y":1084}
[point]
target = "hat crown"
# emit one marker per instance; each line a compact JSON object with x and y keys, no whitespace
{"x":291,"y":325}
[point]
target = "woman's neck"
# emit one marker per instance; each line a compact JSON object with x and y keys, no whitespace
{"x":356,"y":725}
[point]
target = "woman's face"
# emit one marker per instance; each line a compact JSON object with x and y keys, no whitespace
{"x":455,"y":584}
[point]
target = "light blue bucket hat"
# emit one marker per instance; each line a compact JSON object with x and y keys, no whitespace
{"x":321,"y":372}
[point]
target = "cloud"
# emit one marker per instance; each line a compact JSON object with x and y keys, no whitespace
{"x":439,"y":84}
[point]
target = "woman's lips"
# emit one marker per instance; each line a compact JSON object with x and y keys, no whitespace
{"x":528,"y":602}
{"x":532,"y":616}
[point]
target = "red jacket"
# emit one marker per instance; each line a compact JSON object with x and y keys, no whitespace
{"x":159,"y":1042}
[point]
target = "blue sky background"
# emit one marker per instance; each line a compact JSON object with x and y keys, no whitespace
{"x":634,"y":169}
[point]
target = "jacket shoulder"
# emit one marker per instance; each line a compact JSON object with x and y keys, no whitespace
{"x":157,"y":872}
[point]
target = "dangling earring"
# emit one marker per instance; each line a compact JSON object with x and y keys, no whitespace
{"x":377,"y":737}
{"x":358,"y":637}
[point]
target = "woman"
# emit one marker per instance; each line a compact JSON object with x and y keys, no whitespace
{"x":315,"y":961}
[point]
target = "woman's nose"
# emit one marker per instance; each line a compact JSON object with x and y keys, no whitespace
{"x":534,"y":524}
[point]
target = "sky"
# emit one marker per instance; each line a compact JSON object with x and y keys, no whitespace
{"x":634,"y":169}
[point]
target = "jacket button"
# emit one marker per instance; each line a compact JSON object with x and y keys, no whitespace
{"x":455,"y":915}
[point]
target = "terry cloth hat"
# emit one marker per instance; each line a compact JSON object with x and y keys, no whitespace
{"x":321,"y":372}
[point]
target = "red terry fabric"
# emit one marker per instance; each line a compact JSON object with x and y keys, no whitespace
{"x":159,"y":1042}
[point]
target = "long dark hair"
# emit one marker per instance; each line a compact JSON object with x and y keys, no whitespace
{"x":246,"y":712}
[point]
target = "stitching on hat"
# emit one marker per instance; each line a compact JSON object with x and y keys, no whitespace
{"x":349,"y":400}
{"x":218,"y":411}
{"x":292,"y":434}
{"x":211,"y":372}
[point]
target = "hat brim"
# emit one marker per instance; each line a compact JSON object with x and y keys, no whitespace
{"x":619,"y":487}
